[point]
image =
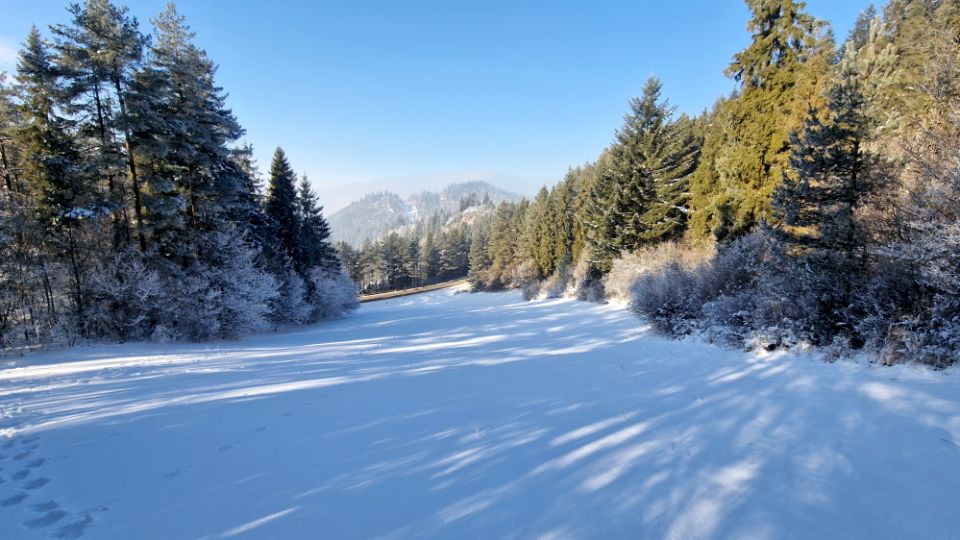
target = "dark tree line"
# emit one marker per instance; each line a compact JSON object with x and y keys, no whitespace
{"x":128,"y":210}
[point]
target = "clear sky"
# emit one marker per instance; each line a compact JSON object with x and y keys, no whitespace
{"x":412,"y":95}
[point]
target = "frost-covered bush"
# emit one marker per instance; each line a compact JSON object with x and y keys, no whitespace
{"x":246,"y":290}
{"x":333,"y":293}
{"x":668,"y":299}
{"x":290,"y":306}
{"x":918,"y":309}
{"x":124,"y":296}
{"x":555,"y":285}
{"x":628,"y":268}
{"x":678,"y":294}
{"x":585,"y":282}
{"x":228,"y":295}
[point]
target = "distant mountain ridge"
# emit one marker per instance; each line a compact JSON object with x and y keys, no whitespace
{"x":376,"y":214}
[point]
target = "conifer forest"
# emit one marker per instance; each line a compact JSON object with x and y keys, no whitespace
{"x":738,"y":321}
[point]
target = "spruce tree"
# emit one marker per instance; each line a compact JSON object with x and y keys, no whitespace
{"x":64,"y":199}
{"x":313,"y":249}
{"x":428,"y":258}
{"x":777,"y":83}
{"x":281,"y":206}
{"x":833,"y":176}
{"x":199,"y":125}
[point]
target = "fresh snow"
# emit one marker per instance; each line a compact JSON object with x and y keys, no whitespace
{"x":473,"y":416}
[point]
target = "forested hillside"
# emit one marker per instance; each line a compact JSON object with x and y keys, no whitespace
{"x":427,"y":250}
{"x":128,"y":209}
{"x":377,"y":214}
{"x":818,"y":203}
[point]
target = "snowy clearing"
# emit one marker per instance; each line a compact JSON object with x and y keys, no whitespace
{"x":481,"y":416}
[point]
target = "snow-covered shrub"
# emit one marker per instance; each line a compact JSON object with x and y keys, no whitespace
{"x":246,"y":291}
{"x":924,"y":324}
{"x":626,"y":269}
{"x":123,"y":297}
{"x":191,"y":307}
{"x":227,"y":295}
{"x":163,"y":334}
{"x":585,"y":282}
{"x":333,"y":293}
{"x":555,"y":285}
{"x":290,"y":306}
{"x":668,"y":299}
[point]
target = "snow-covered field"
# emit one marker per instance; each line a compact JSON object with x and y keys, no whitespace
{"x":473,"y":416}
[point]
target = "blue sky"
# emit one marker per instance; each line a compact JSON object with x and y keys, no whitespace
{"x":411,"y":95}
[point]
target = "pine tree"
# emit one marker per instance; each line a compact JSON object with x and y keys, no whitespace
{"x":818,"y":210}
{"x":188,"y":145}
{"x":479,"y":257}
{"x":666,"y":216}
{"x":778,"y":79}
{"x":537,"y":233}
{"x":313,"y":240}
{"x":281,"y":206}
{"x":99,"y":53}
{"x":9,"y":153}
{"x":600,"y":216}
{"x":51,"y":167}
{"x":429,"y":260}
{"x":833,"y":176}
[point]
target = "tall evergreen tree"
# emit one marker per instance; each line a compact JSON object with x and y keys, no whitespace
{"x":100,"y":52}
{"x":834,"y":174}
{"x":186,"y":142}
{"x":281,"y":205}
{"x":51,"y":166}
{"x":776,"y":79}
{"x":313,"y":241}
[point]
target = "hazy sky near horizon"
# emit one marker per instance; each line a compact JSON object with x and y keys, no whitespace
{"x":405,"y":96}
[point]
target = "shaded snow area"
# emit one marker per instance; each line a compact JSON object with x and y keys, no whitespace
{"x":473,"y":416}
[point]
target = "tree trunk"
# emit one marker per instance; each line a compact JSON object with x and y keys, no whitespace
{"x":131,"y":162}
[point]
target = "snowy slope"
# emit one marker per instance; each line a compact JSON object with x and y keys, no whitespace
{"x":473,"y":416}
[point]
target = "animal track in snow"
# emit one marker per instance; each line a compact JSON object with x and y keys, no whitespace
{"x":36,"y":483}
{"x":175,"y":473}
{"x":16,"y":499}
{"x":75,"y":529}
{"x":46,"y":520}
{"x":20,"y":475}
{"x":45,"y":507}
{"x":229,"y":446}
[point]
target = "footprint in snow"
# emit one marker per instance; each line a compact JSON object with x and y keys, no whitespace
{"x":22,"y":455}
{"x":75,"y":529}
{"x":175,"y":473}
{"x":16,"y":499}
{"x":288,"y":413}
{"x":46,"y":520}
{"x":36,"y":483}
{"x":20,"y":475}
{"x":260,"y":428}
{"x":45,"y":507}
{"x":35,"y":463}
{"x":229,"y":446}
